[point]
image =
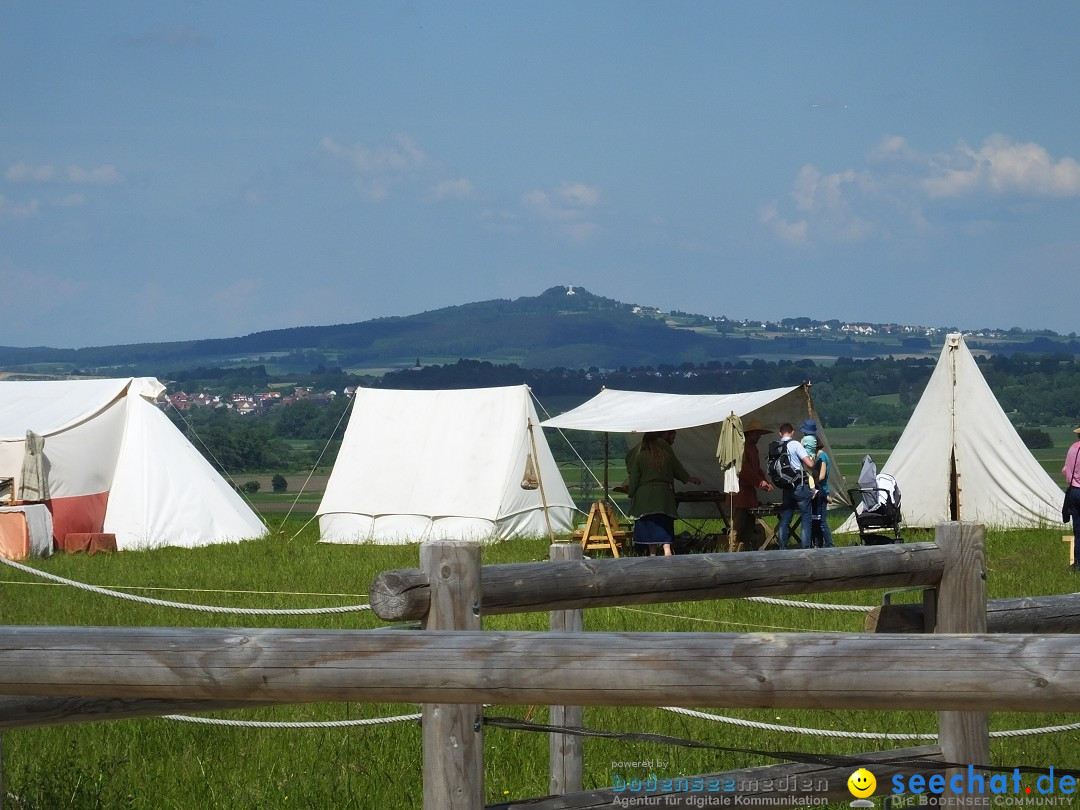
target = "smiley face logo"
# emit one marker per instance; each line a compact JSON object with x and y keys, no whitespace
{"x":861,"y":783}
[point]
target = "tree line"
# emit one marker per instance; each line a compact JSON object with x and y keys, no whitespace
{"x":1034,"y":390}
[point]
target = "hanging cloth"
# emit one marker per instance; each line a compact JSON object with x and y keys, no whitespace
{"x":729,"y":451}
{"x":33,"y":481}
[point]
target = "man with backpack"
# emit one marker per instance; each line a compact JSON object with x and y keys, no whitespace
{"x":789,"y":466}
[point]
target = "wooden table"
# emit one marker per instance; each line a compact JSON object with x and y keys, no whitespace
{"x":772,"y":530}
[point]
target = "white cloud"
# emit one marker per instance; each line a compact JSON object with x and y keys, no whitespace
{"x":104,"y":175}
{"x":97,"y":176}
{"x":460,"y":189}
{"x":377,"y":170}
{"x":579,"y":195}
{"x":898,"y":184}
{"x":824,"y":203}
{"x":1002,"y":166}
{"x":793,"y":232}
{"x":70,"y":201}
{"x":17,"y":210}
{"x":567,"y":208}
{"x":25,"y":173}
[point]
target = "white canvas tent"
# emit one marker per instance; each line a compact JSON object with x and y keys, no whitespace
{"x":112,"y":462}
{"x":426,"y":465}
{"x":697,"y":418}
{"x":960,"y":458}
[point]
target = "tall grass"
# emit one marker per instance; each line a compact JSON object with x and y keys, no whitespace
{"x":161,"y":763}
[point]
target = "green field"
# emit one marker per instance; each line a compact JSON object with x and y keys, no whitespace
{"x":162,"y":763}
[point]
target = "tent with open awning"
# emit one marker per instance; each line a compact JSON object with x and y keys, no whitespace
{"x":698,"y":418}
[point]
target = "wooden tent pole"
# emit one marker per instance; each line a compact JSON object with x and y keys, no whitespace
{"x":540,"y":479}
{"x":607,"y":497}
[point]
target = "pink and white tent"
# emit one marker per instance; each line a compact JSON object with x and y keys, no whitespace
{"x":112,"y":462}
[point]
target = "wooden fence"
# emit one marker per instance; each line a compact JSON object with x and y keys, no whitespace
{"x":453,"y":667}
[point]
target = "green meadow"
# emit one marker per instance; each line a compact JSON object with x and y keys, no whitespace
{"x":168,"y":763}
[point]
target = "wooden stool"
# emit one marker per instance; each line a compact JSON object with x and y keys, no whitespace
{"x":601,"y":529}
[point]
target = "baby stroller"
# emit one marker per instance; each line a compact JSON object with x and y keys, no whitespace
{"x":877,"y":506}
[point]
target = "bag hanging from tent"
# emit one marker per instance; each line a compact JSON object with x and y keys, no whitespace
{"x":530,"y":480}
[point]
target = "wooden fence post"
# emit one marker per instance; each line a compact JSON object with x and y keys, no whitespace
{"x":453,"y":733}
{"x":565,"y":750}
{"x":961,"y":608}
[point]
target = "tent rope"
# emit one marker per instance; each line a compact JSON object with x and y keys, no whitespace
{"x":577,"y":455}
{"x":315,"y":466}
{"x":183,"y":605}
{"x":220,"y":467}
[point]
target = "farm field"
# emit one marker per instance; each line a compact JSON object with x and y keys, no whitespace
{"x":156,"y":763}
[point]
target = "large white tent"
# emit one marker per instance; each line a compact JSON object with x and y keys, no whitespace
{"x":960,"y":458}
{"x":112,"y":462}
{"x":697,"y":418}
{"x":427,"y":465}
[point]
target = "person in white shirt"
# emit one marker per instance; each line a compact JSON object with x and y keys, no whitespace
{"x":800,"y":497}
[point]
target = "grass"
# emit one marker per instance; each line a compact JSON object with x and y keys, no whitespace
{"x":160,"y":763}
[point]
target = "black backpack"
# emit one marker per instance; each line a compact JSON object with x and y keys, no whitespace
{"x":781,"y":470}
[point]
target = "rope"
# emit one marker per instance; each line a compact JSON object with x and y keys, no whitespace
{"x":181,"y":605}
{"x":716,"y":621}
{"x":191,"y":590}
{"x":858,"y":735}
{"x":315,"y":466}
{"x":732,"y":721}
{"x":577,"y":455}
{"x":220,"y":466}
{"x":791,"y":603}
{"x":370,"y":721}
{"x":813,"y":732}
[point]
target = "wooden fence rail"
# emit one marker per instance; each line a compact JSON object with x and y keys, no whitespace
{"x":789,"y":670}
{"x":404,"y":594}
{"x":452,"y":666}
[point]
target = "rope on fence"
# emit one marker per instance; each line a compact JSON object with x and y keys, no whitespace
{"x":368,"y":721}
{"x":733,"y":721}
{"x":792,"y":603}
{"x":860,"y":735}
{"x":183,"y":605}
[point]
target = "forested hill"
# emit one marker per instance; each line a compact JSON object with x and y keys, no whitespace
{"x":562,"y":327}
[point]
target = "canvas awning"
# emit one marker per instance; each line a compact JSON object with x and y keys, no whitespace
{"x":698,"y":419}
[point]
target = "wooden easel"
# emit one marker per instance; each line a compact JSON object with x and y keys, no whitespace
{"x":601,"y":529}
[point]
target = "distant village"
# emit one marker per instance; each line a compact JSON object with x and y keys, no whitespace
{"x":245,"y":404}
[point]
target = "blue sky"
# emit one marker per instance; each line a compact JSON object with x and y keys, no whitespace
{"x":182,"y":170}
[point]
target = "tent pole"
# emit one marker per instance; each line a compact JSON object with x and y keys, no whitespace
{"x":607,"y":497}
{"x":540,"y":479}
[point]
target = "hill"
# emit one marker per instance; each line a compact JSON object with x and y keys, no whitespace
{"x":562,"y":327}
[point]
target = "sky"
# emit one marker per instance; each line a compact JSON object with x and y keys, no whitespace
{"x":183,"y":170}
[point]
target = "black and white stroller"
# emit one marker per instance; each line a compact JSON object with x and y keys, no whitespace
{"x":877,"y":506}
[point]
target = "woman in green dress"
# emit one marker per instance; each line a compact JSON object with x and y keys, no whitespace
{"x":653,"y":469}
